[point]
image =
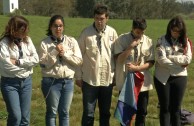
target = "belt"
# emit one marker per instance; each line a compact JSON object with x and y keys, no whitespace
{"x":65,"y":78}
{"x":14,"y":77}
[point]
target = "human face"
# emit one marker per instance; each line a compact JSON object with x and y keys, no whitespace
{"x":57,"y":28}
{"x":100,"y":21}
{"x":175,"y":32}
{"x":21,"y":32}
{"x":138,"y":33}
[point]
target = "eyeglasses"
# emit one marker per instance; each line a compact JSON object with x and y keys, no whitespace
{"x":176,"y":31}
{"x":97,"y":18}
{"x":57,"y":26}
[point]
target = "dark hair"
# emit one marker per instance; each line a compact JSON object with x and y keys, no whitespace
{"x":13,"y":26}
{"x":52,"y":20}
{"x":139,"y":23}
{"x":179,"y":23}
{"x":101,"y":9}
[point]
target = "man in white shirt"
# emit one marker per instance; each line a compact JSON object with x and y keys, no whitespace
{"x":134,"y":52}
{"x":96,"y":74}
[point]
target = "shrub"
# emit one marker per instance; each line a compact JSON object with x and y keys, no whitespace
{"x":15,"y":12}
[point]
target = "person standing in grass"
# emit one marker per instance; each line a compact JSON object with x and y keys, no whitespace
{"x":59,"y":56}
{"x":134,"y":52}
{"x":173,"y":54}
{"x":96,"y":74}
{"x":18,"y":56}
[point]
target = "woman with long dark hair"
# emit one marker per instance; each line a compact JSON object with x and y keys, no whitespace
{"x":59,"y":57}
{"x":173,"y":54}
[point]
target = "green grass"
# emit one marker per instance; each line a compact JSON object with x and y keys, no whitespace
{"x":73,"y":27}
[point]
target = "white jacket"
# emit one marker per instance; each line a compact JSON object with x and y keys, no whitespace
{"x":145,"y":53}
{"x":50,"y":62}
{"x":171,"y":61}
{"x":95,"y":63}
{"x":27,"y":62}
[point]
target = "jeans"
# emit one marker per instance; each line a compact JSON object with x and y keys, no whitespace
{"x":90,"y":96}
{"x":17,"y":94}
{"x":170,"y":98}
{"x":58,"y":94}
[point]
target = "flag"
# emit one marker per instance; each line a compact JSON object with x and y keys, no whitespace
{"x":127,"y":102}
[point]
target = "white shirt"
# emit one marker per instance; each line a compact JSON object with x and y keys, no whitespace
{"x":59,"y":67}
{"x":27,"y":62}
{"x":145,"y":53}
{"x":170,"y":61}
{"x":98,"y":66}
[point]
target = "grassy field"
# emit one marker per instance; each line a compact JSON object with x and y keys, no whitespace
{"x":73,"y":27}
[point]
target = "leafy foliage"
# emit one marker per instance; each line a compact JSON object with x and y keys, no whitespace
{"x":149,"y":9}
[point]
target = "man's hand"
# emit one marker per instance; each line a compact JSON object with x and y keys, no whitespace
{"x":61,"y":53}
{"x":133,"y":44}
{"x":79,"y":83}
{"x":132,"y":68}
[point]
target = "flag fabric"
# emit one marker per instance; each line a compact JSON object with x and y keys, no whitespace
{"x":127,"y":102}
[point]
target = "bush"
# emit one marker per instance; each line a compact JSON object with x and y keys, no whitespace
{"x":15,"y":12}
{"x":191,"y":16}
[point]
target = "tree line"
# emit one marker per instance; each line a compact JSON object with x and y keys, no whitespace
{"x":150,"y":9}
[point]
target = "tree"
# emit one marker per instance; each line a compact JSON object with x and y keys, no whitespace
{"x":149,"y":9}
{"x":1,"y":6}
{"x":85,"y":8}
{"x":46,"y":7}
{"x":168,"y":8}
{"x":120,"y":10}
{"x":187,"y":7}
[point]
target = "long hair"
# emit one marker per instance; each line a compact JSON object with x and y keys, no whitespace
{"x":180,"y":24}
{"x":52,"y":20}
{"x":13,"y":27}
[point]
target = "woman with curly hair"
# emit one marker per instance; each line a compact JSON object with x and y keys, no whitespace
{"x":18,"y":56}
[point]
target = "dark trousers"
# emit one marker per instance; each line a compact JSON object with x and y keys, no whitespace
{"x":170,"y":98}
{"x":92,"y":94}
{"x":142,"y":104}
{"x":142,"y":108}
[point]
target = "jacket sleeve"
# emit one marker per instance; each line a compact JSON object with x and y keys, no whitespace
{"x":31,"y":59}
{"x":6,"y":64}
{"x":82,"y":46}
{"x":47,"y":59}
{"x":73,"y":56}
{"x":183,"y":59}
{"x":118,"y":48}
{"x":161,"y":57}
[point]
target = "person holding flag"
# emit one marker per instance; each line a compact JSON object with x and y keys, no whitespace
{"x":134,"y":55}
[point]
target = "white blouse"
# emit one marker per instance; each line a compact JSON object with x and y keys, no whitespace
{"x":28,"y":60}
{"x":171,"y":61}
